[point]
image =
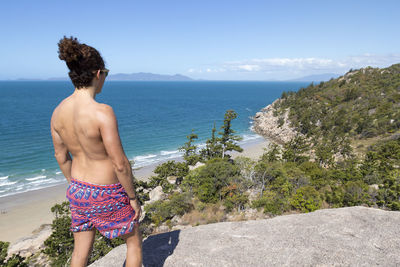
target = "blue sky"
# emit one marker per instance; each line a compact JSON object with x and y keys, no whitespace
{"x":221,"y":40}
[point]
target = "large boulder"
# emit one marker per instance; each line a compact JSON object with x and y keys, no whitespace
{"x":172,"y":179}
{"x":355,"y":236}
{"x":155,"y":194}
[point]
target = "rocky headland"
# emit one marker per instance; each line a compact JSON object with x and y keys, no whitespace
{"x":267,"y":125}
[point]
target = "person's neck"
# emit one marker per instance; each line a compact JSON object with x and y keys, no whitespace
{"x":86,"y":92}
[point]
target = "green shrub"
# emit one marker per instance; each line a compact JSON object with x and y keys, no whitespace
{"x":201,"y":206}
{"x":166,"y":169}
{"x":389,"y":192}
{"x":15,"y":260}
{"x":161,"y":210}
{"x":3,"y":252}
{"x":317,"y":174}
{"x":59,"y":245}
{"x":140,"y":187}
{"x":306,"y":199}
{"x":207,"y":191}
{"x":233,"y":198}
{"x":271,"y":202}
{"x":207,"y":181}
{"x":335,"y":196}
{"x":355,"y":193}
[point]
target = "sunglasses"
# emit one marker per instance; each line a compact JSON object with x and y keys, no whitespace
{"x":106,"y":71}
{"x":103,"y":71}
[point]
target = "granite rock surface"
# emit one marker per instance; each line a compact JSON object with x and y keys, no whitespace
{"x":352,"y":236}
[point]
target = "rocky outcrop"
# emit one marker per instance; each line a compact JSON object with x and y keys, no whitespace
{"x":267,"y":125}
{"x":28,"y":246}
{"x":155,"y":194}
{"x":32,"y":245}
{"x":197,"y":165}
{"x":355,"y":236}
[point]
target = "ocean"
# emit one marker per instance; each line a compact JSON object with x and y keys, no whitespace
{"x":154,"y":119}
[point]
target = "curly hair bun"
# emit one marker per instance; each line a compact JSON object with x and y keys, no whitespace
{"x":81,"y":60}
{"x":69,"y":49}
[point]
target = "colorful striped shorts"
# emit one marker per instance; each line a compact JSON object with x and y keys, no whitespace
{"x":105,"y":207}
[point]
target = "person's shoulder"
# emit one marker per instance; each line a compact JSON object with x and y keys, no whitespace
{"x":57,"y":111}
{"x":105,"y":112}
{"x":105,"y":109}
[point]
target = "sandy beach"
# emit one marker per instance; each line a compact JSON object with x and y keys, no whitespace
{"x":22,"y":214}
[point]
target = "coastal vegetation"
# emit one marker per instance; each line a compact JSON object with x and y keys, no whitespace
{"x":13,"y":260}
{"x":361,"y":106}
{"x":346,"y":153}
{"x":323,"y":166}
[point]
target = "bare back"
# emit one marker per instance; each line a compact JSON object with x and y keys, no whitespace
{"x":77,"y":121}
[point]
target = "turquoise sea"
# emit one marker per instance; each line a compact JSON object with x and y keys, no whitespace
{"x":154,"y":119}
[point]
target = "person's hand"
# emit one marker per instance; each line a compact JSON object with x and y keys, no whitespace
{"x":138,"y":209}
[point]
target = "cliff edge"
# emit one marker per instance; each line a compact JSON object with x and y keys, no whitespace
{"x":267,"y":125}
{"x":352,"y":236}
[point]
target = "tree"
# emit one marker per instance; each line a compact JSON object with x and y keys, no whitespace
{"x":190,"y":150}
{"x":166,"y":169}
{"x":228,"y":139}
{"x":294,"y":149}
{"x":213,"y":149}
{"x":271,"y":153}
{"x":324,"y":153}
{"x":247,"y":168}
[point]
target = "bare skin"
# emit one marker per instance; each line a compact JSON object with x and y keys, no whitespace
{"x":88,"y":131}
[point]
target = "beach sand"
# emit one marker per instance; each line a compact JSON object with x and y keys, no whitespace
{"x":22,"y":214}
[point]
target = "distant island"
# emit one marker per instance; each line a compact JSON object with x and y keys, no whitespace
{"x":141,"y":76}
{"x":148,"y":76}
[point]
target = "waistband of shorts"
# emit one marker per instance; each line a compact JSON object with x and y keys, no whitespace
{"x":83,"y":184}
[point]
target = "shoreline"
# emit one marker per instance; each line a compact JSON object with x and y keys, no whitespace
{"x":22,"y":214}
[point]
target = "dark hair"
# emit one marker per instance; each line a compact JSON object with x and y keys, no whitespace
{"x":81,"y":60}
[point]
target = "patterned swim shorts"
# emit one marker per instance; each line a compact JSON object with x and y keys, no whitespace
{"x":105,"y":207}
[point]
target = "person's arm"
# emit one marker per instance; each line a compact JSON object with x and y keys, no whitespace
{"x":113,"y":146}
{"x":61,"y":153}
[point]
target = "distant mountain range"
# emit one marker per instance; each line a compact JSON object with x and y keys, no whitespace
{"x":141,"y":76}
{"x":317,"y":78}
{"x":147,"y":76}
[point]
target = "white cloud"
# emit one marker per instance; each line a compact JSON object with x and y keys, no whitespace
{"x":209,"y":70}
{"x":311,"y":63}
{"x":249,"y":67}
{"x":286,"y":68}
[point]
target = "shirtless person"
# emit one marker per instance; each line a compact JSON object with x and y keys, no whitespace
{"x":101,"y":190}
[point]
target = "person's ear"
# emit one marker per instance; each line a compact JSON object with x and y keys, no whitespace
{"x":98,"y":74}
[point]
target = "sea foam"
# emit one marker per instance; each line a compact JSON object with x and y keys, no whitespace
{"x":35,"y":178}
{"x":7,"y":183}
